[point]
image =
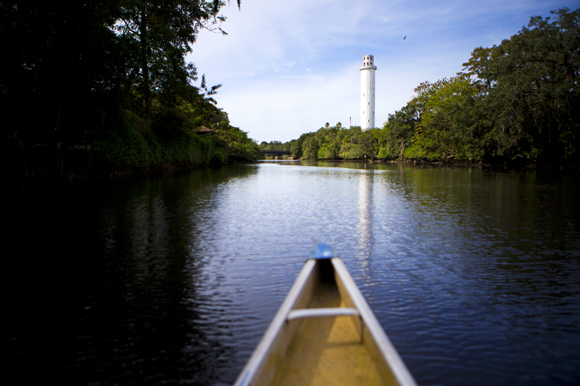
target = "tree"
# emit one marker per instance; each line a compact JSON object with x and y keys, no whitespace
{"x":310,"y":148}
{"x":297,"y":146}
{"x":518,"y":100}
{"x":532,"y":89}
{"x":158,"y":34}
{"x":395,"y":136}
{"x":443,"y":132}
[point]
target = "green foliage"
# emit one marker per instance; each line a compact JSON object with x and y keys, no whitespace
{"x":239,"y":146}
{"x":443,"y":131}
{"x":296,"y":147}
{"x":310,"y":148}
{"x":157,"y":34}
{"x":114,"y":72}
{"x":531,"y":100}
{"x":276,"y":145}
{"x":395,"y":137}
{"x":140,"y":144}
{"x":516,"y":101}
{"x":336,"y":142}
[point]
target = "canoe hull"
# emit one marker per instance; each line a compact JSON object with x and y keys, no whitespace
{"x":325,"y":333}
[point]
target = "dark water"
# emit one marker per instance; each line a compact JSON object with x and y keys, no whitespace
{"x":474,"y":276}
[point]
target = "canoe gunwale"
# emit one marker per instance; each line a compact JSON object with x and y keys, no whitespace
{"x":258,"y":358}
{"x":371,"y":325}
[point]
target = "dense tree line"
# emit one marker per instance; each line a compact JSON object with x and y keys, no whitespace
{"x":332,"y":142}
{"x":113,"y":73}
{"x":274,"y":145}
{"x":518,"y":101}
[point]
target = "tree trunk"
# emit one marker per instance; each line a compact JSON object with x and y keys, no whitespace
{"x":145,"y":53}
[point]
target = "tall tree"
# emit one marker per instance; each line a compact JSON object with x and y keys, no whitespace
{"x":533,"y":80}
{"x":395,"y":136}
{"x":158,"y":34}
{"x":443,"y":132}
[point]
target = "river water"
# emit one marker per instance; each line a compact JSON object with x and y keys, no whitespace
{"x":474,"y":275}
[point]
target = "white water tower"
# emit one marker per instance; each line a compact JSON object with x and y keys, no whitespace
{"x":367,"y":90}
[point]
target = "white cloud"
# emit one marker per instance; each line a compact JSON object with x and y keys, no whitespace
{"x":289,"y":67}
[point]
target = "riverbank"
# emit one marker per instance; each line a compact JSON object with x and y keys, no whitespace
{"x":501,"y":167}
{"x":128,"y":149}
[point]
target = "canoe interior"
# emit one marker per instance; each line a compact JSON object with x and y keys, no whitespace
{"x":326,"y":350}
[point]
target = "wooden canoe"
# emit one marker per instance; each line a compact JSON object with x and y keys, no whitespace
{"x":325,"y":334}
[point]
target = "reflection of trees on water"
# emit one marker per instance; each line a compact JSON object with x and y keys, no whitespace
{"x":365,"y":216}
{"x":156,"y":314}
{"x":151,"y":247}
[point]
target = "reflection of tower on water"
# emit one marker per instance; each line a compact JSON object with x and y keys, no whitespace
{"x":365,"y":217}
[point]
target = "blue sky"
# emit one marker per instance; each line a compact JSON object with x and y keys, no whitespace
{"x":288,"y":67}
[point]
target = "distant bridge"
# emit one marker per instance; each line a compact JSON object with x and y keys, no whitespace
{"x":276,"y":153}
